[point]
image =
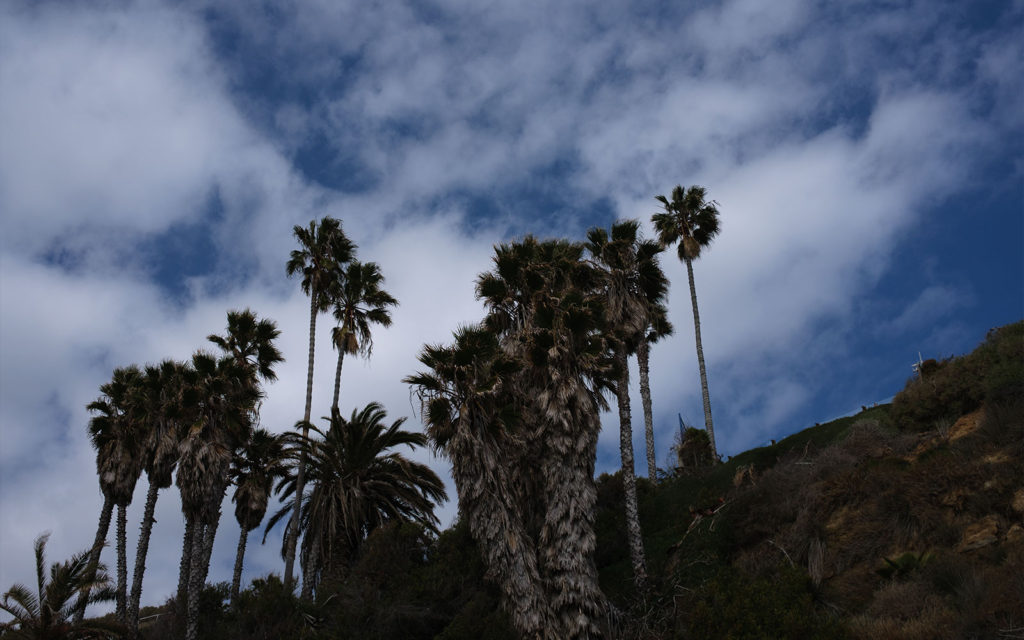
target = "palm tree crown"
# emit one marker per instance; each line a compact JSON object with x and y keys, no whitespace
{"x":689,"y":218}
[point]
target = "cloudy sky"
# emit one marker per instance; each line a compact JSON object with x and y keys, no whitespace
{"x":154,"y":157}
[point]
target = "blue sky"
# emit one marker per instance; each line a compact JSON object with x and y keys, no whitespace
{"x":866,"y":158}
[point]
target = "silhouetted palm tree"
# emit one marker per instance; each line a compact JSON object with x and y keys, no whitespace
{"x":256,"y":466}
{"x":48,"y":614}
{"x":163,"y":413}
{"x":356,"y":484}
{"x":323,"y":250}
{"x":358,"y":302}
{"x":632,"y":279}
{"x":470,"y":408}
{"x":225,"y":399}
{"x":547,"y":308}
{"x":692,"y":220}
{"x":120,"y":447}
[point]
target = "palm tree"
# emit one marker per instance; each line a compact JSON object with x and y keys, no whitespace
{"x":254,"y":469}
{"x":632,"y":278}
{"x":49,"y":613}
{"x":323,"y":249}
{"x":224,"y":402}
{"x":119,"y":448}
{"x":470,"y":408}
{"x":692,"y":220}
{"x":658,"y":327}
{"x":546,"y":306}
{"x":356,"y":484}
{"x":163,"y":412}
{"x":358,"y":301}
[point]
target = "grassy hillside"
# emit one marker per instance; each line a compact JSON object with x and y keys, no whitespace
{"x":904,"y":521}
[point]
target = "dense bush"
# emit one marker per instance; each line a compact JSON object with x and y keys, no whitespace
{"x":992,"y":374}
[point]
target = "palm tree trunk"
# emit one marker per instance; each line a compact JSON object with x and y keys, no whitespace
{"x":643,"y":360}
{"x":209,"y":533}
{"x":94,"y":554}
{"x":306,"y":560}
{"x":700,"y":362}
{"x":195,"y":583}
{"x":567,"y":539}
{"x":337,"y":379}
{"x":484,"y":496}
{"x":122,"y":563}
{"x":184,"y":571}
{"x":633,"y":533}
{"x":300,"y":476}
{"x":145,"y":530}
{"x":236,"y":580}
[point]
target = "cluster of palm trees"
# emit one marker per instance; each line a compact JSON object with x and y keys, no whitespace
{"x":182,"y":422}
{"x":514,"y":403}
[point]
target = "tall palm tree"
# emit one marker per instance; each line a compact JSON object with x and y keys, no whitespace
{"x":224,"y":403}
{"x":359,"y":302}
{"x":691,"y":220}
{"x":50,"y":612}
{"x":470,"y":407}
{"x":545,"y":304}
{"x":256,"y":466}
{"x":119,"y":448}
{"x":163,"y":412}
{"x":323,"y":249}
{"x":356,"y":484}
{"x":658,"y":327}
{"x":632,"y":278}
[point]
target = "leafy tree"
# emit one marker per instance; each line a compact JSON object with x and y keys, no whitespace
{"x":256,"y":466}
{"x":632,"y":280}
{"x":356,"y":484}
{"x":49,"y":613}
{"x":323,"y":250}
{"x":692,"y":221}
{"x":358,"y":302}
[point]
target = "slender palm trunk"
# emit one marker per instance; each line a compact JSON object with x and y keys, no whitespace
{"x":337,"y":379}
{"x":700,"y":362}
{"x":122,"y":563}
{"x":236,"y":579}
{"x":643,"y":360}
{"x":184,"y":571}
{"x":145,"y":530}
{"x":94,"y":554}
{"x":209,"y":533}
{"x":633,"y":533}
{"x":300,"y":476}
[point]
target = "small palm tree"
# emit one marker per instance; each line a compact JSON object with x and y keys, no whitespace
{"x":323,"y":250}
{"x":692,"y":221}
{"x":49,"y":613}
{"x":359,"y":302}
{"x":120,"y":447}
{"x":256,"y":466}
{"x":632,"y":280}
{"x":356,"y":484}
